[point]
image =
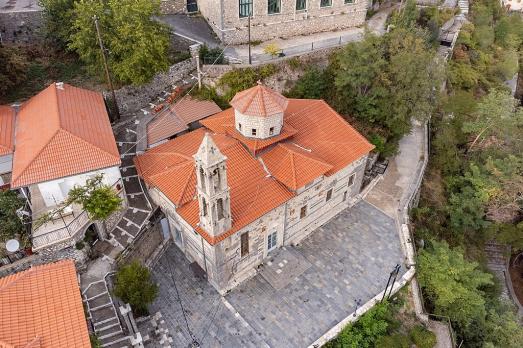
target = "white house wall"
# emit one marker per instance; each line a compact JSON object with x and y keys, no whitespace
{"x":6,"y":164}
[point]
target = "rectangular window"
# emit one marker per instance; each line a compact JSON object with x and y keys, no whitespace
{"x":351,"y":179}
{"x":245,"y":8}
{"x":301,"y":5}
{"x":219,"y":205}
{"x":244,"y":244}
{"x":344,"y":196}
{"x":253,"y":132}
{"x":303,"y":212}
{"x":329,"y":195}
{"x":271,"y":241}
{"x":204,"y":208}
{"x":349,"y":1}
{"x":273,"y":6}
{"x":325,"y":3}
{"x":271,"y":131}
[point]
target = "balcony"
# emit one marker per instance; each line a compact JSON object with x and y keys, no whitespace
{"x":62,"y":228}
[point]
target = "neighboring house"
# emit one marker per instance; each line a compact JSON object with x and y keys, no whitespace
{"x":178,"y":118}
{"x":7,"y":143}
{"x":260,"y":175}
{"x":512,"y":5}
{"x":42,"y":308}
{"x":63,"y":137}
{"x":279,"y":18}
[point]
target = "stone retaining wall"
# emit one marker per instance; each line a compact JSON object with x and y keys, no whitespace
{"x":21,"y":27}
{"x":132,"y":98}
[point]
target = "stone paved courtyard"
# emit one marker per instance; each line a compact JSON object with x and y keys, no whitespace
{"x":314,"y":286}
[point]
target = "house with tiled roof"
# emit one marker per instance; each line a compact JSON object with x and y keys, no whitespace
{"x":258,"y":176}
{"x":42,"y":308}
{"x":62,"y":137}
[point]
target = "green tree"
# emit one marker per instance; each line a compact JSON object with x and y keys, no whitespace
{"x":503,"y":329}
{"x":12,"y":69}
{"x":10,"y":223}
{"x":312,"y":85}
{"x":137,"y":44}
{"x":134,"y":286}
{"x":58,"y":16}
{"x":452,"y":284}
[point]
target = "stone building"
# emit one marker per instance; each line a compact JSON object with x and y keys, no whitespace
{"x":260,"y":175}
{"x":278,"y":18}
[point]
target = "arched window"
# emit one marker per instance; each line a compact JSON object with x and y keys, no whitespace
{"x":204,"y":208}
{"x":219,"y":206}
{"x":202,"y":178}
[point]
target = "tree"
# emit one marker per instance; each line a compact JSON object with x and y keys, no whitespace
{"x":10,"y":223}
{"x":58,"y":16}
{"x":134,"y":286}
{"x":503,"y":328}
{"x":453,"y":284}
{"x":312,"y":85}
{"x":136,"y":42}
{"x":12,"y":69}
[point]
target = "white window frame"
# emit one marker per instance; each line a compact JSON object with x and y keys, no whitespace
{"x":275,"y":13}
{"x":353,"y":176}
{"x":303,"y":10}
{"x":272,"y":241}
{"x":326,"y":6}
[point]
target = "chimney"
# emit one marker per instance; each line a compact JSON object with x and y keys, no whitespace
{"x":60,"y":85}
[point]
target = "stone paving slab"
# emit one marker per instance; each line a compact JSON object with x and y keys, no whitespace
{"x":283,"y":267}
{"x":136,"y":216}
{"x":350,"y":259}
{"x":132,"y":185}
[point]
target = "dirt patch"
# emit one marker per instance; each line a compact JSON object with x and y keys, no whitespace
{"x":516,"y":275}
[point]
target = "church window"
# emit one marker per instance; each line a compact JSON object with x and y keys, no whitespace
{"x":245,"y":8}
{"x":325,"y":3}
{"x":351,"y":179}
{"x":329,"y":195}
{"x":219,"y":206}
{"x":274,"y":6}
{"x":303,"y":212}
{"x":204,"y":207}
{"x":244,"y":244}
{"x":271,"y":131}
{"x":202,"y":178}
{"x":253,"y":132}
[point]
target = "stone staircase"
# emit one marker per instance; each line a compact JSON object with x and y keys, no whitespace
{"x":497,"y":263}
{"x":464,"y":6}
{"x":102,"y":313}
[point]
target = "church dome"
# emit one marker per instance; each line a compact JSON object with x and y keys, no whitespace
{"x":259,"y":112}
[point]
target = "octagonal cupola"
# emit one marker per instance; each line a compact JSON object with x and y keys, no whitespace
{"x":258,"y":112}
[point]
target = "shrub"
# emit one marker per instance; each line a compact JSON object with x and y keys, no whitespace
{"x":134,"y":286}
{"x":95,"y":342}
{"x":79,"y":245}
{"x":312,"y":85}
{"x":211,"y":55}
{"x":422,"y":337}
{"x":272,"y":49}
{"x":394,"y":341}
{"x":238,"y":80}
{"x":294,"y":63}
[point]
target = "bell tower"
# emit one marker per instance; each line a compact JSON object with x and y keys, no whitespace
{"x":212,"y":188}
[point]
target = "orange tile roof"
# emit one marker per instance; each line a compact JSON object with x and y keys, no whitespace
{"x":62,"y":132}
{"x":223,"y":122}
{"x":177,"y":117}
{"x":259,"y":101}
{"x":42,"y":307}
{"x":321,"y":143}
{"x":170,"y":168}
{"x":7,"y":129}
{"x":294,"y":166}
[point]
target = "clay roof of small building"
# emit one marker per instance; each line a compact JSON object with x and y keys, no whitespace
{"x":62,"y":131}
{"x":42,"y":308}
{"x":176,"y":118}
{"x":259,"y":101}
{"x":7,"y":129}
{"x":321,"y":143}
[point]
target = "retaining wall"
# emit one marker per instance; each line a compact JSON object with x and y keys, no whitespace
{"x":21,"y":27}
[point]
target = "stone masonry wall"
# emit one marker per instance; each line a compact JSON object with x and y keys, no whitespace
{"x":21,"y":27}
{"x":132,"y":98}
{"x":232,"y":29}
{"x":173,"y":6}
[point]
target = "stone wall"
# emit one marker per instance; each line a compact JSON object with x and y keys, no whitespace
{"x":173,"y":6}
{"x":232,"y":29}
{"x":132,"y":98}
{"x":21,"y":27}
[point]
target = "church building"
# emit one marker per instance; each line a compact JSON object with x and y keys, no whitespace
{"x":258,"y":176}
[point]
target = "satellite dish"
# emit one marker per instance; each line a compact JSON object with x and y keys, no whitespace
{"x":12,"y":245}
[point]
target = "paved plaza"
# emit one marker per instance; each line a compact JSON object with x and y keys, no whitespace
{"x":299,"y":293}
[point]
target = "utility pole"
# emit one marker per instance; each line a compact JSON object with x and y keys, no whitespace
{"x":249,"y":35}
{"x":107,"y":75}
{"x":198,"y":69}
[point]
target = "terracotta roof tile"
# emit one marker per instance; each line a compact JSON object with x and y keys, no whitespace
{"x":62,"y":132}
{"x":176,"y":118}
{"x":319,"y":142}
{"x":293,"y":166}
{"x":42,"y":308}
{"x":259,"y":101}
{"x":7,"y":129}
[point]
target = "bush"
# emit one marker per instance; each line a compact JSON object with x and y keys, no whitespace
{"x":393,"y":341}
{"x":95,"y":342}
{"x":79,"y":245}
{"x":134,"y":286}
{"x":211,"y":55}
{"x":312,"y":85}
{"x":238,"y":80}
{"x":13,"y":69}
{"x":209,"y":93}
{"x":422,"y":337}
{"x":294,"y":63}
{"x":272,"y":49}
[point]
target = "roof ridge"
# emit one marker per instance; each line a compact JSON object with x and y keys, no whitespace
{"x":293,"y":171}
{"x":311,"y":157}
{"x":36,"y":156}
{"x":89,"y":143}
{"x":171,"y":168}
